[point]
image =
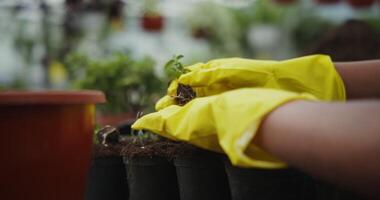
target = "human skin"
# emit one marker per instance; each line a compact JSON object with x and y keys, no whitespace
{"x":337,"y":142}
{"x":361,"y":78}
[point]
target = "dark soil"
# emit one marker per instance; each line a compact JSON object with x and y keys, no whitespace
{"x":184,"y":94}
{"x":108,"y":143}
{"x":135,"y":147}
{"x":186,"y":150}
{"x":111,"y":143}
{"x":100,"y":151}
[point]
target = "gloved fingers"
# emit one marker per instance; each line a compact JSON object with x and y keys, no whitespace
{"x":235,"y":72}
{"x":155,"y":122}
{"x":218,"y":76}
{"x":164,"y":102}
{"x":312,"y":74}
{"x":179,"y":122}
{"x":238,"y":62}
{"x":212,"y":81}
{"x":195,"y":67}
{"x":168,"y":99}
{"x":172,"y":89}
{"x":152,"y":122}
{"x":192,"y":120}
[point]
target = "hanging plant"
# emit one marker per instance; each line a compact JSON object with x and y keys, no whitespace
{"x":152,"y":20}
{"x":360,"y":3}
{"x":218,"y":25}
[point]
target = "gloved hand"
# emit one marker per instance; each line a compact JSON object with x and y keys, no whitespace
{"x":224,"y":123}
{"x":311,"y":74}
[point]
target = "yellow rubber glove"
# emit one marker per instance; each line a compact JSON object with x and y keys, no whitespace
{"x":224,"y":123}
{"x":311,"y":74}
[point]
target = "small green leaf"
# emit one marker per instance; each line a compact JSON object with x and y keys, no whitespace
{"x":176,"y":66}
{"x":169,"y":63}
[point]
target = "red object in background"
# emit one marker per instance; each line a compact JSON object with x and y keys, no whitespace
{"x":45,"y":148}
{"x":285,"y":2}
{"x":152,"y":22}
{"x":114,"y":120}
{"x":201,"y":33}
{"x":360,"y":3}
{"x":327,"y":1}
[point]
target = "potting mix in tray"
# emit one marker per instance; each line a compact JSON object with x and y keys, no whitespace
{"x":139,"y":167}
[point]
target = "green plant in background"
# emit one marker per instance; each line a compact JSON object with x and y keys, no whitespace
{"x":264,"y":11}
{"x":266,"y":16}
{"x":220,"y":24}
{"x":17,"y":83}
{"x":308,"y":30}
{"x":374,"y":23}
{"x":130,"y":85}
{"x":260,"y":12}
{"x":150,"y":7}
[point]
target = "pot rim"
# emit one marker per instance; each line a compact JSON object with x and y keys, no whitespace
{"x":51,"y":97}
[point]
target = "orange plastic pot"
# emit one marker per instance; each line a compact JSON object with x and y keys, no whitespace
{"x":45,"y":146}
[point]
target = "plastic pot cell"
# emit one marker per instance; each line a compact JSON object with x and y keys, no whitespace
{"x":331,"y":192}
{"x":202,"y":177}
{"x":46,"y":146}
{"x":107,"y":179}
{"x":151,"y":178}
{"x":286,"y":184}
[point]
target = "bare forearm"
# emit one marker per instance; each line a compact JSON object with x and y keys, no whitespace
{"x":339,"y":142}
{"x":362,"y":78}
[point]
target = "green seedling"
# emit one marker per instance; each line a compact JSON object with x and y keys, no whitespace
{"x":143,"y":136}
{"x":176,"y":66}
{"x":184,"y":92}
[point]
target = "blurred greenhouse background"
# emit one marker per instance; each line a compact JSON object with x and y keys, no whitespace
{"x":122,"y":45}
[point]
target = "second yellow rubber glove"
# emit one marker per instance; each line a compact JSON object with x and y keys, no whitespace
{"x":225,"y":123}
{"x":314,"y":74}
